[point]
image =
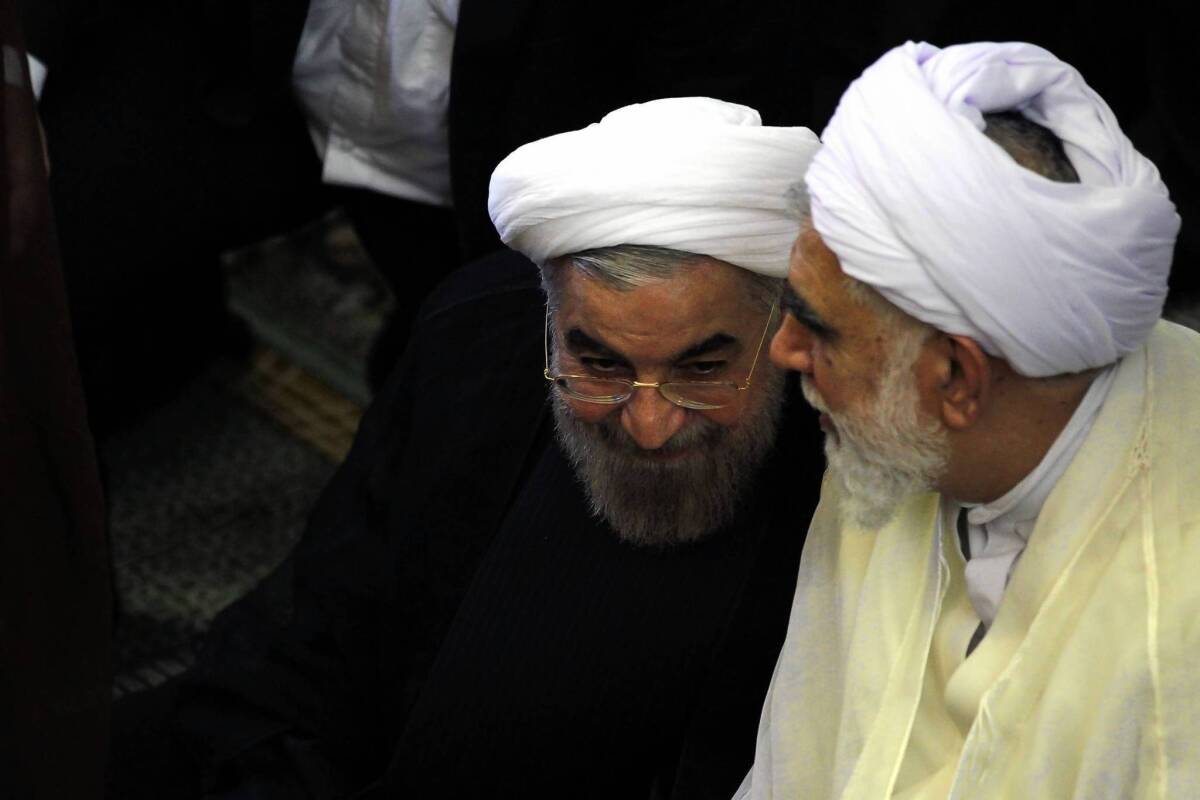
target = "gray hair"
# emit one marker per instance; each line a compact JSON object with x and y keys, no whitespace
{"x":798,"y":201}
{"x":905,"y":330}
{"x":1033,"y":146}
{"x":628,"y":266}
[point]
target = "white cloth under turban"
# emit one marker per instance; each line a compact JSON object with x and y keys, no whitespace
{"x":917,"y":202}
{"x":691,"y":174}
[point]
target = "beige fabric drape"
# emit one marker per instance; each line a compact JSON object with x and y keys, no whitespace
{"x":1087,"y":684}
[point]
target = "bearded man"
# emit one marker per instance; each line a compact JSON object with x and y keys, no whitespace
{"x":997,"y":595}
{"x":556,"y":562}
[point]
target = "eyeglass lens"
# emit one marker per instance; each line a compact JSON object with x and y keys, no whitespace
{"x":606,"y":390}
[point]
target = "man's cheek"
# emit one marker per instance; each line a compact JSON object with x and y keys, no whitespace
{"x":726,"y":417}
{"x":590,"y":412}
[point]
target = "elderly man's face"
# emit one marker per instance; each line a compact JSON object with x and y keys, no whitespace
{"x":658,"y":472}
{"x":835,"y":341}
{"x":861,"y":376}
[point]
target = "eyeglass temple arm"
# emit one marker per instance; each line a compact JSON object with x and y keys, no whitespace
{"x":761,"y":340}
{"x":546,"y":343}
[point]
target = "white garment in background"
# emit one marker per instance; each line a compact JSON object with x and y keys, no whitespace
{"x":37,"y":76}
{"x":373,"y":77}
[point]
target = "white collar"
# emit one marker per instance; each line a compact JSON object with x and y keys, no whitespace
{"x":999,"y":530}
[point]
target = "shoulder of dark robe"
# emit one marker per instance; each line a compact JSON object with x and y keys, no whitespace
{"x":572,"y":654}
{"x":304,"y":679}
{"x":718,"y":749}
{"x":313,"y":703}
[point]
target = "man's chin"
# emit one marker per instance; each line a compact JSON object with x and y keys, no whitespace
{"x":871,"y":492}
{"x":833,"y":439}
{"x":826,"y":423}
{"x":870,"y":516}
{"x":680,"y":493}
{"x":653,"y":498}
{"x":667,"y":456}
{"x":883,"y":455}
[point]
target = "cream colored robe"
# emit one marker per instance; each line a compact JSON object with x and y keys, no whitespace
{"x":1088,"y":683}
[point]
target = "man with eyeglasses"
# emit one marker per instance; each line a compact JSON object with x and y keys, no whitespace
{"x":559,"y":560}
{"x":663,"y":461}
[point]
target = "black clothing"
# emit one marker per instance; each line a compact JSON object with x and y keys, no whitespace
{"x":54,"y":582}
{"x":574,"y":654}
{"x":462,"y":626}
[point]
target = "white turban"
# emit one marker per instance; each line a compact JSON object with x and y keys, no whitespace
{"x":918,"y":203}
{"x":691,"y":174}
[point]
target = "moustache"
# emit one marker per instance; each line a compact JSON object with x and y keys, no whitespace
{"x":701,"y":432}
{"x":811,"y":396}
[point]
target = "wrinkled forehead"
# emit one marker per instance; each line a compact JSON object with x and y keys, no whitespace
{"x":700,"y":293}
{"x":815,"y":268}
{"x":845,"y":305}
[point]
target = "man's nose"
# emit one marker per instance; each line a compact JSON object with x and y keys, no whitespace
{"x":650,"y":418}
{"x":791,"y":347}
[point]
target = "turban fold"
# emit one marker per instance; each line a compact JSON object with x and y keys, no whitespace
{"x":691,"y":174}
{"x":918,"y":203}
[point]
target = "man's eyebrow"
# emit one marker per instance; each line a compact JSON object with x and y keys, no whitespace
{"x":712,"y":343}
{"x":577,"y":340}
{"x":798,"y":307}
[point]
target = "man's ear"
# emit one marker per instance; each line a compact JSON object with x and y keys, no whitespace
{"x":963,"y":377}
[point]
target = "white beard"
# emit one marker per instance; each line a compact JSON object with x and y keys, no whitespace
{"x":886,"y":452}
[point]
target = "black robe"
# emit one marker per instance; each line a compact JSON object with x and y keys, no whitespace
{"x":461,"y":625}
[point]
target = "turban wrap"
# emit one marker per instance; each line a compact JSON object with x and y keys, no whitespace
{"x":917,"y":202}
{"x":691,"y":174}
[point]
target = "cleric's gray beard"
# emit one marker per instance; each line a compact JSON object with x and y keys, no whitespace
{"x":654,"y":503}
{"x":886,"y":452}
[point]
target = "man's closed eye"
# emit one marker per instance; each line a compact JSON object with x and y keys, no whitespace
{"x":602,"y":366}
{"x":702,"y":370}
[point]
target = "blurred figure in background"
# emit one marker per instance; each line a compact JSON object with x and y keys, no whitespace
{"x":54,"y":587}
{"x":175,"y":132}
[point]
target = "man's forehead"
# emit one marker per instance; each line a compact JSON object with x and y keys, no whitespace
{"x":703,"y":308}
{"x":703,"y":287}
{"x":817,"y":280}
{"x":811,"y":249}
{"x":816,"y":269}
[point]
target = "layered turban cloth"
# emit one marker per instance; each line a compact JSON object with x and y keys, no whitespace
{"x":692,"y":174}
{"x":917,"y":202}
